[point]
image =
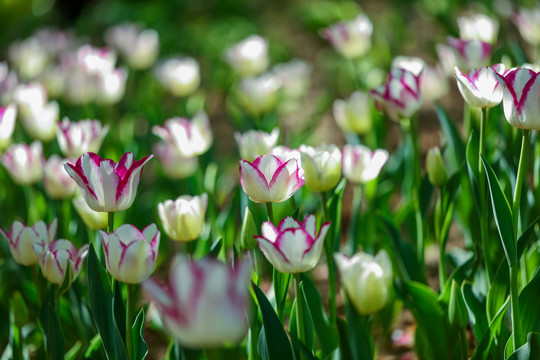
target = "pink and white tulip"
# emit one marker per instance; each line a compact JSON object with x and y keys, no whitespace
{"x":22,"y":238}
{"x":254,"y":143}
{"x":190,"y":138}
{"x":354,"y":114}
{"x":57,"y":182}
{"x":366,"y":280}
{"x":293,"y":247}
{"x":350,"y":38}
{"x":285,"y":154}
{"x":54,"y":258}
{"x":8,"y":115}
{"x":268,"y":179}
{"x":322,"y":166}
{"x":412,"y":64}
{"x":465,"y":54}
{"x":480,"y":88}
{"x":183,"y":218}
{"x":259,"y":94}
{"x":174,"y":164}
{"x":105,"y":185}
{"x":139,"y":47}
{"x":111,"y":86}
{"x":77,"y":138}
{"x":479,"y":27}
{"x":249,"y":56}
{"x":399,"y":97}
{"x":96,"y":61}
{"x":181,"y":76}
{"x":521,"y":98}
{"x":528,"y":24}
{"x":29,"y":56}
{"x":360,"y":164}
{"x":204,"y":303}
{"x":131,"y":254}
{"x":24,"y":163}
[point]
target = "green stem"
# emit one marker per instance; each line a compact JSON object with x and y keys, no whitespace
{"x":466,"y":120}
{"x":353,"y":222}
{"x":415,"y":193}
{"x":129,"y":312}
{"x":484,"y":230}
{"x":37,"y":283}
{"x":463,"y":344}
{"x":514,"y":303}
{"x":299,"y":309}
{"x":110,"y":226}
{"x":440,"y":241}
{"x":66,"y":214}
{"x":270,"y":212}
{"x":190,"y":248}
{"x":255,"y":263}
{"x":522,"y":168}
{"x":31,"y":208}
{"x":329,"y":252}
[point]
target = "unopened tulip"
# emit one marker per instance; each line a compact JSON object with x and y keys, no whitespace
{"x":8,"y":115}
{"x":111,"y":86}
{"x":58,"y":184}
{"x":293,"y":247}
{"x":203,"y":305}
{"x":179,"y":76}
{"x":354,"y":114}
{"x":478,"y":26}
{"x":29,"y":56}
{"x":22,"y":238}
{"x":254,"y":143}
{"x":480,"y":88}
{"x":366,"y":280}
{"x":24,"y":163}
{"x":131,"y":254}
{"x":174,"y":164}
{"x":95,"y":220}
{"x":77,"y":138}
{"x":140,"y":48}
{"x":468,"y":54}
{"x":41,"y":122}
{"x":350,"y":38}
{"x":294,"y":77}
{"x":360,"y":164}
{"x":528,"y":24}
{"x":259,"y":94}
{"x":191,"y":138}
{"x":400,"y":96}
{"x":249,"y":56}
{"x":521,"y":94}
{"x":105,"y":185}
{"x":433,"y":83}
{"x":54,"y":258}
{"x":268,"y":179}
{"x":322,"y":166}
{"x":436,"y":170}
{"x":183,"y":218}
{"x":96,"y":61}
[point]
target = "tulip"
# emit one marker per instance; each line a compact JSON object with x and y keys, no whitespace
{"x":95,"y":220}
{"x":294,"y":77}
{"x":77,"y":138}
{"x":521,"y":92}
{"x":528,"y":24}
{"x":293,"y":247}
{"x":131,"y":254}
{"x":105,"y":185}
{"x":400,"y":96}
{"x":249,"y":56}
{"x":8,"y":83}
{"x":366,"y":280}
{"x":360,"y":164}
{"x":259,"y":94}
{"x":24,"y":163}
{"x":58,"y":184}
{"x":285,"y":153}
{"x":478,"y":27}
{"x":54,"y":257}
{"x":433,"y":83}
{"x":96,"y":61}
{"x":436,"y":170}
{"x":480,"y":88}
{"x":268,"y":179}
{"x":111,"y":86}
{"x":173,"y":163}
{"x":466,"y":54}
{"x":28,"y":96}
{"x":351,"y":39}
{"x":322,"y":166}
{"x":180,"y":76}
{"x":29,"y":56}
{"x":412,"y":64}
{"x":40,"y":122}
{"x":190,"y":138}
{"x":22,"y":238}
{"x":254,"y":143}
{"x":139,"y":47}
{"x":8,"y":115}
{"x":183,"y":218}
{"x":204,"y":303}
{"x":354,"y":114}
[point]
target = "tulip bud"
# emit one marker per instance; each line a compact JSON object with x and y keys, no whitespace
{"x":22,"y":238}
{"x":95,"y":220}
{"x":322,"y":166}
{"x":29,"y":56}
{"x":412,"y":64}
{"x":457,"y":310}
{"x":54,"y":257}
{"x":258,"y":94}
{"x":173,"y":163}
{"x":248,"y":57}
{"x":254,"y":143}
{"x":350,"y":38}
{"x":478,"y":26}
{"x":183,"y":218}
{"x":77,"y":138}
{"x":435,"y":167}
{"x":58,"y":184}
{"x":528,"y":24}
{"x":247,"y":235}
{"x":180,"y":76}
{"x":360,"y":164}
{"x":140,"y":48}
{"x":24,"y":163}
{"x":111,"y":86}
{"x":354,"y":114}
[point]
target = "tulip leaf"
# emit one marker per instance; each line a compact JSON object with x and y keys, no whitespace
{"x":52,"y":330}
{"x":503,"y":215}
{"x":473,"y":149}
{"x":101,"y":305}
{"x":216,"y":247}
{"x":334,"y":205}
{"x":93,"y":346}
{"x":476,"y":306}
{"x":273,"y":340}
{"x":525,"y":237}
{"x":528,"y":303}
{"x":119,"y":308}
{"x":344,"y":345}
{"x":485,"y":347}
{"x":530,"y":350}
{"x":498,"y":290}
{"x":308,"y":325}
{"x":281,"y":288}
{"x":140,"y":348}
{"x":306,"y":353}
{"x":360,"y":338}
{"x":451,"y":133}
{"x":326,"y":333}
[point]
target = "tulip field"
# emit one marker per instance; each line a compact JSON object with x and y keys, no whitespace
{"x":269,"y":180}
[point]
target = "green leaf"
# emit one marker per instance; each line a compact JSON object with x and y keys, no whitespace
{"x":498,"y":290}
{"x":281,"y":287}
{"x":473,"y":150}
{"x":140,"y":348}
{"x":308,"y":325}
{"x":101,"y":305}
{"x":326,"y":333}
{"x":54,"y":338}
{"x":451,"y":133}
{"x":525,"y":237}
{"x":334,"y":205}
{"x":273,"y":341}
{"x":119,"y":308}
{"x":360,"y":338}
{"x":490,"y":339}
{"x":306,"y":353}
{"x":344,"y":345}
{"x":503,"y":215}
{"x":93,"y":346}
{"x":216,"y":247}
{"x":528,"y":303}
{"x":476,"y":305}
{"x":530,"y":350}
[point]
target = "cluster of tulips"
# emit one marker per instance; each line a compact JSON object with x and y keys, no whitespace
{"x":212,"y":302}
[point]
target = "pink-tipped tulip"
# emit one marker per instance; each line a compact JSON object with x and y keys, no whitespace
{"x":350,"y":38}
{"x":249,"y":56}
{"x":293,"y":247}
{"x":480,"y":88}
{"x":528,"y":24}
{"x":254,"y":143}
{"x":470,"y":54}
{"x":360,"y":164}
{"x":478,"y":26}
{"x":57,"y":182}
{"x":24,"y":163}
{"x":8,"y":115}
{"x":183,"y":218}
{"x":204,"y":303}
{"x":131,"y":254}
{"x":77,"y":138}
{"x":139,"y":47}
{"x":399,"y":97}
{"x":521,"y":98}
{"x":105,"y":185}
{"x":173,"y":163}
{"x":268,"y":179}
{"x":54,"y":257}
{"x":22,"y":238}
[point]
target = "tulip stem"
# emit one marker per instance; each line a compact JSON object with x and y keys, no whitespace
{"x":299,"y":309}
{"x":37,"y":283}
{"x":32,"y":212}
{"x":514,"y":304}
{"x":110,"y":226}
{"x":483,"y":197}
{"x":463,"y":344}
{"x":355,"y":214}
{"x":66,"y":214}
{"x":519,"y":181}
{"x":329,"y":252}
{"x":129,"y":311}
{"x":270,"y":212}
